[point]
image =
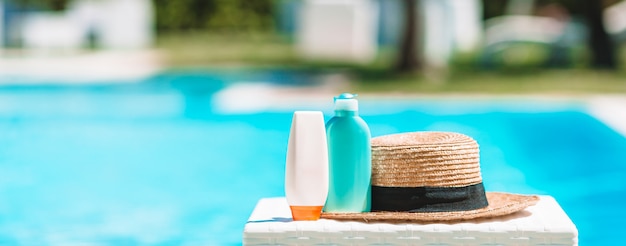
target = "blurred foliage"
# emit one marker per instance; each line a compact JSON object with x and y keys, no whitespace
{"x":184,"y":15}
{"x":55,"y":5}
{"x":575,"y":7}
{"x":493,"y":8}
{"x":206,"y":49}
{"x":567,"y":81}
{"x":214,"y":15}
{"x":521,"y":55}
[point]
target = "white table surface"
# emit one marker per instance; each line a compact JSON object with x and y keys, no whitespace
{"x":543,"y":224}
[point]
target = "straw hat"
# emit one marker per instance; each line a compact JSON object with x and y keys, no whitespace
{"x":429,"y":177}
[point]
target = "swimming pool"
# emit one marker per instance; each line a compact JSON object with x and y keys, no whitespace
{"x":155,"y":162}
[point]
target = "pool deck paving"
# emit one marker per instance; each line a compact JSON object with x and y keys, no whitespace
{"x":77,"y":67}
{"x":608,"y":108}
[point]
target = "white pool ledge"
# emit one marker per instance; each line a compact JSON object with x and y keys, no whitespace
{"x":543,"y":224}
{"x":610,"y":110}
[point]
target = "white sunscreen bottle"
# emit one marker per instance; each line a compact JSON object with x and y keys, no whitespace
{"x":306,"y":172}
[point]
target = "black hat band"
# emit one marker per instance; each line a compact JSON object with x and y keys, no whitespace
{"x":428,"y":199}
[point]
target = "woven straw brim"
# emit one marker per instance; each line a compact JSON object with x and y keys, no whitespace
{"x":500,"y":204}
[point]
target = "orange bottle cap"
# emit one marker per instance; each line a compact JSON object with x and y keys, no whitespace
{"x":306,"y":212}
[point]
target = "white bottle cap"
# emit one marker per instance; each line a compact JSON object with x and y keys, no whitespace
{"x":346,"y":101}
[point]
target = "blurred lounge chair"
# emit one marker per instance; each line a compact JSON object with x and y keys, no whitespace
{"x":557,"y":38}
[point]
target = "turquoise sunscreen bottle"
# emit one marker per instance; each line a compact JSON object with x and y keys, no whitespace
{"x":349,"y":157}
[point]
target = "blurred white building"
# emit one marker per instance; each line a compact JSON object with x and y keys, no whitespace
{"x":352,"y":30}
{"x":108,"y":24}
{"x":116,"y":23}
{"x":450,"y":26}
{"x":345,"y":30}
{"x":54,"y":41}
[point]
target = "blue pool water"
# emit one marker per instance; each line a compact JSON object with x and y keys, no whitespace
{"x":154,"y":162}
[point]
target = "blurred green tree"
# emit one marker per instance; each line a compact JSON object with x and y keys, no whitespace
{"x":410,"y":57}
{"x":215,"y":15}
{"x":601,"y":47}
{"x":54,"y":5}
